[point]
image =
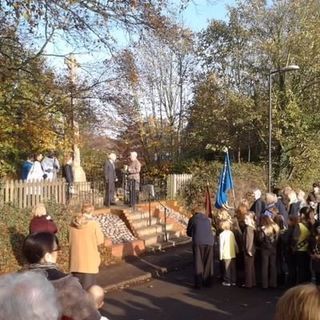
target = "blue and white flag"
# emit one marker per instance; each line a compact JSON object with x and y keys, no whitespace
{"x":225,"y":184}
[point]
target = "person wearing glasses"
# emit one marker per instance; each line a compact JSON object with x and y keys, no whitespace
{"x":41,"y":252}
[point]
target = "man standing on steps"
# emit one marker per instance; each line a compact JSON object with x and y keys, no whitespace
{"x":110,"y":178}
{"x":134,"y":179}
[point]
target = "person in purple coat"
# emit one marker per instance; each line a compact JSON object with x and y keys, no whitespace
{"x":41,"y":222}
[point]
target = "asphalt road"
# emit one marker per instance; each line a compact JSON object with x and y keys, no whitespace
{"x":172,"y":297}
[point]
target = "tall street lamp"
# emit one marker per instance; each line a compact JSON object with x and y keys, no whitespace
{"x":271,"y":73}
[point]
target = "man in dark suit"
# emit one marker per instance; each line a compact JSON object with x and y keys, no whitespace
{"x":200,"y":229}
{"x":110,"y":178}
{"x":67,"y":173}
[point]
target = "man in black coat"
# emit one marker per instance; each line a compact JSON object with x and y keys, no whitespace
{"x":67,"y":173}
{"x":110,"y":179}
{"x":200,"y":229}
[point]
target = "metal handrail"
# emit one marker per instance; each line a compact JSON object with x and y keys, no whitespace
{"x":165,"y":220}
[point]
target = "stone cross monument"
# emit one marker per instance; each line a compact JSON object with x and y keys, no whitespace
{"x":78,"y":172}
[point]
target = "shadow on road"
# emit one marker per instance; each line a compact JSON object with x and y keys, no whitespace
{"x":172,"y":297}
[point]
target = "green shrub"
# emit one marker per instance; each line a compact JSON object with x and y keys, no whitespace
{"x":246,"y":177}
{"x":14,"y":225}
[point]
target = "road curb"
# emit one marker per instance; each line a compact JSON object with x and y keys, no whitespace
{"x":127,"y":283}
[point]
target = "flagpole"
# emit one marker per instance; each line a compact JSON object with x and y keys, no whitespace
{"x":233,"y":192}
{"x":226,"y":150}
{"x":208,"y":203}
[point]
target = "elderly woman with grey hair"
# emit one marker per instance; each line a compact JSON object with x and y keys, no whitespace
{"x":258,"y":205}
{"x":270,"y":209}
{"x":134,"y":178}
{"x":294,"y":204}
{"x":27,"y":296}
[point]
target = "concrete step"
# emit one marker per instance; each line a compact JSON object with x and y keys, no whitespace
{"x":152,"y":239}
{"x":153,"y":229}
{"x":179,"y":240}
{"x":140,"y":223}
{"x":137,"y":215}
{"x":173,"y":242}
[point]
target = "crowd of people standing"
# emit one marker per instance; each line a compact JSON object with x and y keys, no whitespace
{"x":272,"y":241}
{"x":39,"y":168}
{"x":67,"y":296}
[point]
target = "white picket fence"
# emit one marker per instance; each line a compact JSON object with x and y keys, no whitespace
{"x":175,"y":182}
{"x":24,"y":194}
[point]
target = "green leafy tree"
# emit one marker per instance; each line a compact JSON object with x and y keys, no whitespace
{"x":238,"y":55}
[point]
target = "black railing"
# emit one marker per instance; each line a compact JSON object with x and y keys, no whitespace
{"x":165,"y":221}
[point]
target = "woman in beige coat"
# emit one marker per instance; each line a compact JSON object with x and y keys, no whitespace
{"x":85,"y":236}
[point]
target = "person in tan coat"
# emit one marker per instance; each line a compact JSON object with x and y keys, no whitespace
{"x":134,"y":178}
{"x":85,"y":236}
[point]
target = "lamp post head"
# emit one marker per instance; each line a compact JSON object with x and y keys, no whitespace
{"x":291,"y":67}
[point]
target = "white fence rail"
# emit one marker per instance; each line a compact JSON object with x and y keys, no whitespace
{"x":175,"y":182}
{"x":24,"y":194}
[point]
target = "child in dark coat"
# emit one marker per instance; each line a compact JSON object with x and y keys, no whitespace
{"x":315,"y":255}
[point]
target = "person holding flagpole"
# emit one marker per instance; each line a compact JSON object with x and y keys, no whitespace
{"x":200,"y":229}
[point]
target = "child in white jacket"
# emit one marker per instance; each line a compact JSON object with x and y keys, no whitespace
{"x":228,"y":251}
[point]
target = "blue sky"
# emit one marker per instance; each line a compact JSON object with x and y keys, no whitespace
{"x":196,"y":16}
{"x":199,"y":12}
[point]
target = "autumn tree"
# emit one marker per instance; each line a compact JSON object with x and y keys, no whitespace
{"x":151,"y":92}
{"x":31,"y":104}
{"x":239,"y":54}
{"x":31,"y":93}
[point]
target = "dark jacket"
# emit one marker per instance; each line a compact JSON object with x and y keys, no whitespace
{"x":74,"y":300}
{"x":282,"y":210}
{"x":199,"y":228}
{"x":258,"y":207}
{"x":314,"y":245}
{"x":267,"y":242}
{"x":67,"y":173}
{"x":26,"y":167}
{"x":110,"y":172}
{"x":294,"y":209}
{"x":312,"y":197}
{"x":42,"y":224}
{"x":288,"y":241}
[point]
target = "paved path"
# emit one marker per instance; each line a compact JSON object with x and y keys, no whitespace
{"x":172,"y":297}
{"x":136,"y":269}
